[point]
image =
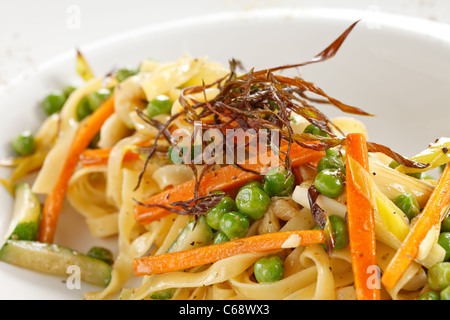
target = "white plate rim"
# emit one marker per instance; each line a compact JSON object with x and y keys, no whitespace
{"x":438,"y":30}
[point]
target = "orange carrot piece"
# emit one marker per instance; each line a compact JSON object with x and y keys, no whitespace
{"x":226,"y":178}
{"x":54,"y":201}
{"x":429,"y":217}
{"x":95,"y":157}
{"x":208,"y":254}
{"x":361,"y":224}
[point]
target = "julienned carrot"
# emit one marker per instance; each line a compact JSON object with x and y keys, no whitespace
{"x":226,"y":178}
{"x":361,"y":225}
{"x":209,"y":254}
{"x":430,"y":216}
{"x":95,"y":157}
{"x":54,"y":201}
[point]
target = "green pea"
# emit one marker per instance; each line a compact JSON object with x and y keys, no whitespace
{"x":174,"y":154}
{"x":220,"y":237}
{"x":163,"y":294}
{"x":97,"y":98}
{"x":226,"y":204}
{"x":125,"y":73}
{"x":160,"y":105}
{"x":330,"y":182}
{"x":253,"y":183}
{"x":340,"y":231}
{"x":101,"y":254}
{"x":444,"y":242}
{"x":94,"y":142}
{"x":252,"y":201}
{"x":445,"y":225}
{"x":69,"y":90}
{"x":234,"y":224}
{"x":439,"y":276}
{"x":83,"y":109}
{"x":275,"y":183}
{"x":332,"y":152}
{"x":24,"y":143}
{"x":430,"y":295}
{"x":214,"y":214}
{"x":91,"y":102}
{"x":176,"y":158}
{"x":330,"y":162}
{"x":268,"y":269}
{"x":313,"y":129}
{"x":54,"y":102}
{"x":408,"y":204}
{"x":445,"y":294}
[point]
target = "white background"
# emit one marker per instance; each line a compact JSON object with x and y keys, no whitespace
{"x":32,"y":32}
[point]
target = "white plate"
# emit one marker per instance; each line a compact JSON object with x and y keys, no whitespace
{"x":395,"y":67}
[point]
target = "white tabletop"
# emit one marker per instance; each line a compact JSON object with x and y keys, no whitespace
{"x":32,"y":32}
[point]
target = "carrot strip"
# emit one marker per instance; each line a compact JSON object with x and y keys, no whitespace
{"x":95,"y":157}
{"x":180,"y":260}
{"x":54,"y":201}
{"x":100,"y":156}
{"x":430,"y":216}
{"x":361,"y":224}
{"x":226,"y":178}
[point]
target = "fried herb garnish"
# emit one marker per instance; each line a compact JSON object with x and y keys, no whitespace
{"x":196,"y":206}
{"x":261,"y":100}
{"x":318,"y":214}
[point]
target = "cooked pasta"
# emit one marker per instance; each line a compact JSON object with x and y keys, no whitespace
{"x":191,"y":229}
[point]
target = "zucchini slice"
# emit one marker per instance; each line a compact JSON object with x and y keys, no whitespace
{"x":26,"y":215}
{"x":197,"y":233}
{"x":55,"y":259}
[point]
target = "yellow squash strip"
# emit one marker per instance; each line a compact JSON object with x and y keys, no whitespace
{"x":430,"y":216}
